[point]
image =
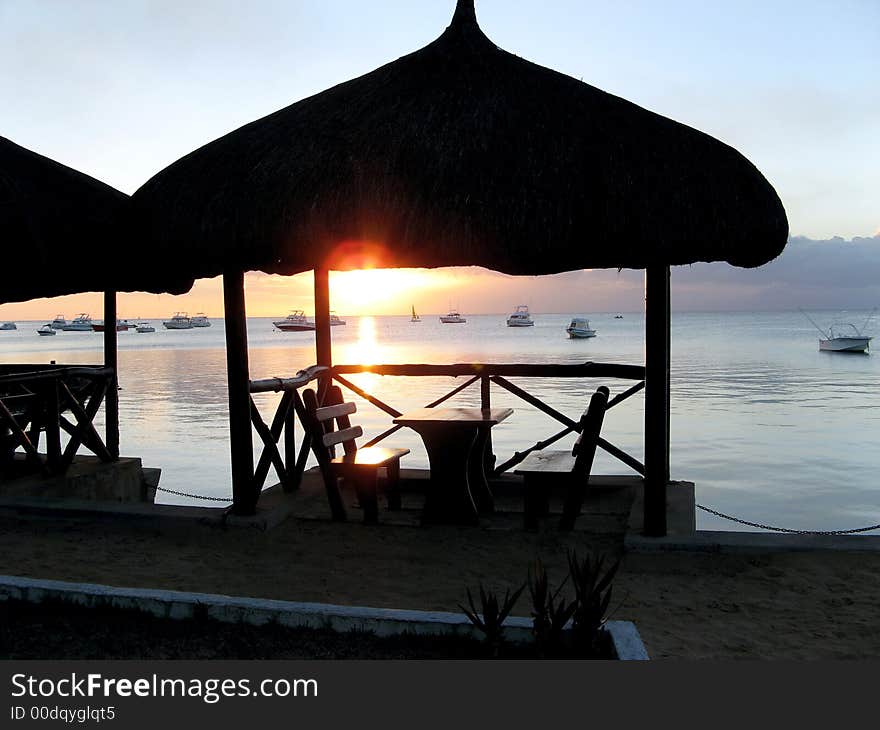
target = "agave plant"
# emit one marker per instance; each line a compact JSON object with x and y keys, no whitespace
{"x":550,"y":614}
{"x":492,"y":614}
{"x":592,"y":586}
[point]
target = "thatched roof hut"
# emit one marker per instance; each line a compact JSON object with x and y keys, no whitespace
{"x":62,"y":232}
{"x":462,"y":154}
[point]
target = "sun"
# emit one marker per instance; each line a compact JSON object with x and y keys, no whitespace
{"x":377,"y":291}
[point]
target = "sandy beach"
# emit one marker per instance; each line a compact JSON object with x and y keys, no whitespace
{"x":686,"y":605}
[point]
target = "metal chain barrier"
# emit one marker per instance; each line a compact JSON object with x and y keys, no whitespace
{"x":194,"y":496}
{"x":785,"y":529}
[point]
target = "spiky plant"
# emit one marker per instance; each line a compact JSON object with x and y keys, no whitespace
{"x":592,"y":586}
{"x":492,"y":614}
{"x":550,"y":613}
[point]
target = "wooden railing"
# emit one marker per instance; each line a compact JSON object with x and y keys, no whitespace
{"x":290,"y":467}
{"x":34,"y":400}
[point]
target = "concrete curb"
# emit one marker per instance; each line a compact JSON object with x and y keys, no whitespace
{"x":626,"y":642}
{"x":719,"y":541}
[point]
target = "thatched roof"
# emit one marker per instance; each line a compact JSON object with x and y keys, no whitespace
{"x":60,"y":232}
{"x":462,"y":154}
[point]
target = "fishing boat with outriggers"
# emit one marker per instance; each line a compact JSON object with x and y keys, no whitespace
{"x":58,"y":323}
{"x":843,"y":336}
{"x":296,"y":321}
{"x":579,"y":328}
{"x":520,"y":317}
{"x":180,"y":321}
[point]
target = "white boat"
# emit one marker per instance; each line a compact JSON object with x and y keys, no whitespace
{"x":8,"y":326}
{"x":579,"y":328}
{"x":520,"y":317}
{"x":415,"y":317}
{"x":452,"y":317}
{"x":58,"y":323}
{"x":295,"y":322}
{"x":200,"y":320}
{"x":334,"y":320}
{"x":844,"y":337}
{"x":46,"y":330}
{"x":180,"y":321}
{"x":81,"y":323}
{"x":144,"y":327}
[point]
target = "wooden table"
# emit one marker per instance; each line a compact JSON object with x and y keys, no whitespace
{"x":455,"y":439}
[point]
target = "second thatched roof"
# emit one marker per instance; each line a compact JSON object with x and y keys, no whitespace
{"x":461,"y":154}
{"x":63,"y":232}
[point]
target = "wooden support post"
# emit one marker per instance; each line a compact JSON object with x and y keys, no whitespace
{"x":111,"y":360}
{"x":323,"y":348}
{"x":657,"y":315}
{"x":244,"y":496}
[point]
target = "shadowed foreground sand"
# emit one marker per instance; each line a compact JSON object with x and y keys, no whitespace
{"x":686,"y":605}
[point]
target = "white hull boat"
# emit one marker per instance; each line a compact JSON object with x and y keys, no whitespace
{"x":520,"y":317}
{"x":843,"y":336}
{"x":452,"y":318}
{"x":335,"y":320}
{"x":200,"y":320}
{"x":180,"y":321}
{"x":47,"y":330}
{"x":845,"y":344}
{"x":296,"y":321}
{"x":580,"y":329}
{"x":81,"y":323}
{"x":58,"y":323}
{"x":144,"y":327}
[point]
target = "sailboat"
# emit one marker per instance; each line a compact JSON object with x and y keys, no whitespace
{"x":415,"y":317}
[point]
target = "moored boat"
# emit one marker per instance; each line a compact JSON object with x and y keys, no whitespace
{"x":46,"y":330}
{"x":122,"y":325}
{"x":452,"y":317}
{"x":415,"y":317}
{"x":520,"y":317}
{"x":144,"y":327}
{"x":180,"y":321}
{"x":335,"y":320}
{"x":200,"y":319}
{"x":81,"y":323}
{"x":296,"y":321}
{"x":8,"y":326}
{"x":579,"y":328}
{"x":845,"y":338}
{"x":58,"y":323}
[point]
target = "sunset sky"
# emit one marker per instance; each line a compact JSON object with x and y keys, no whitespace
{"x":120,"y":89}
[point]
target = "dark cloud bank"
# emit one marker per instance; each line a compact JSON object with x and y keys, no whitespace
{"x":829,"y":274}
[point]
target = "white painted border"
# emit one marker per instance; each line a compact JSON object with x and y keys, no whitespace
{"x":233,"y":609}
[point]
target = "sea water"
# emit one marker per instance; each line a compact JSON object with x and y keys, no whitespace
{"x":769,"y":428}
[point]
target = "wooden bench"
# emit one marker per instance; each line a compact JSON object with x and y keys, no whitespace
{"x":542,"y":471}
{"x":330,"y":426}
